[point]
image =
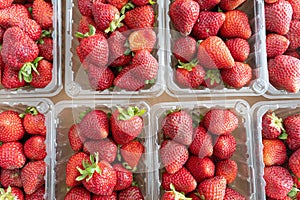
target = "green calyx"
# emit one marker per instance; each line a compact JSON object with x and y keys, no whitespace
{"x":213,"y":75}
{"x":151,"y":2}
{"x":92,"y":31}
{"x":128,"y":6}
{"x":130,"y":113}
{"x":152,"y":81}
{"x":128,"y":167}
{"x":172,"y":111}
{"x":276,"y":122}
{"x":188,"y":66}
{"x":30,"y":110}
{"x":89,"y":168}
{"x":26,"y":71}
{"x":6,"y":195}
{"x":116,"y":23}
{"x":197,"y":118}
{"x":45,"y":34}
{"x":178,"y":195}
{"x":293,"y":193}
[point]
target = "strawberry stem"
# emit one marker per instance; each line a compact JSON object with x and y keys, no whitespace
{"x":92,"y":31}
{"x":6,"y":195}
{"x":116,"y":23}
{"x":178,"y":195}
{"x":89,"y":168}
{"x":293,"y":192}
{"x":152,"y":81}
{"x":31,"y":110}
{"x":26,"y":71}
{"x":152,"y":2}
{"x":127,"y":7}
{"x":188,"y":66}
{"x":130,"y":113}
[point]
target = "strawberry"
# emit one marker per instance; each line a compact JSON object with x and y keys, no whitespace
{"x":182,"y":180}
{"x":10,"y":78}
{"x":42,"y":13}
{"x":46,"y":48}
{"x":206,"y":5}
{"x":284,"y":73}
{"x":124,"y":177}
{"x":44,"y":75}
{"x":296,"y":181}
{"x":84,"y":27}
{"x":238,"y":76}
{"x":75,"y":139}
{"x":143,"y":2}
{"x":11,"y":127}
{"x":132,"y":153}
{"x":272,"y":126}
{"x":34,"y":121}
{"x":278,"y":17}
{"x":190,"y":75}
{"x":213,"y":188}
{"x":85,"y":7}
{"x":200,"y":168}
{"x":202,"y":143}
{"x":124,"y":30}
{"x":32,"y":176}
{"x":117,"y":3}
{"x":142,"y":39}
{"x":293,"y":53}
{"x":173,"y":156}
{"x":15,"y":11}
{"x":231,"y":194}
{"x":18,"y":48}
{"x":274,"y":152}
{"x":184,"y":48}
{"x":38,"y":194}
{"x":194,"y":195}
{"x":114,"y":196}
{"x":294,"y":163}
{"x":173,"y":195}
{"x":296,"y":9}
{"x":100,"y":78}
{"x":276,"y":45}
{"x":236,"y":24}
{"x":220,"y":121}
{"x":2,"y":31}
{"x":291,"y":125}
{"x":106,"y":149}
{"x":227,"y":169}
{"x":213,"y":53}
{"x":293,"y":143}
{"x":72,"y":173}
{"x":5,"y":3}
{"x":239,"y":49}
{"x":94,"y":125}
{"x":117,"y":50}
{"x":35,"y":148}
{"x":224,"y":147}
{"x":294,"y":34}
{"x":277,"y":179}
{"x":227,"y":5}
{"x":184,"y":14}
{"x":140,"y":17}
{"x":11,"y":178}
{"x":131,"y":193}
{"x":12,"y":156}
{"x":78,"y":192}
{"x":11,"y":193}
{"x":127,"y":124}
{"x":208,"y":24}
{"x":178,"y":125}
{"x":212,"y":79}
{"x":97,"y":177}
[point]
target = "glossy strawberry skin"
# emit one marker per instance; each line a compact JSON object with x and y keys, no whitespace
{"x":274,"y":152}
{"x":294,"y":34}
{"x":44,"y":77}
{"x":85,"y":7}
{"x":293,"y":143}
{"x":296,"y":9}
{"x":140,"y":17}
{"x":225,"y":147}
{"x":11,"y":178}
{"x":5,"y":3}
{"x":117,"y":50}
{"x":45,"y":49}
{"x":17,"y":193}
{"x":35,"y":148}
{"x":100,"y":78}
{"x":231,"y":194}
{"x":132,"y":192}
{"x":78,"y":192}
{"x":276,"y":45}
{"x":294,"y":163}
{"x":38,"y":194}
{"x":200,"y":168}
{"x":75,"y":139}
{"x":184,"y":48}
{"x":190,"y":79}
{"x":206,"y":5}
{"x":202,"y":143}
{"x":12,"y":156}
{"x":42,"y":13}
{"x":226,"y":5}
{"x":117,"y":3}
{"x":10,"y":78}
{"x":132,"y":153}
{"x":239,"y":49}
{"x":227,"y":169}
{"x":124,"y":177}
{"x":114,"y":196}
{"x":15,"y":11}
{"x":104,"y":14}
{"x":106,"y":149}
{"x":291,"y":125}
{"x":29,"y":26}
{"x":142,"y":39}
{"x":11,"y":127}
{"x":271,"y":126}
{"x":213,"y":188}
{"x":35,"y":124}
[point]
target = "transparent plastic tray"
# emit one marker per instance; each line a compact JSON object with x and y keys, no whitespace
{"x":55,"y":86}
{"x":245,"y":181}
{"x":274,"y":93}
{"x":257,"y":58}
{"x":76,"y":80}
{"x":67,"y":113}
{"x":45,"y":107}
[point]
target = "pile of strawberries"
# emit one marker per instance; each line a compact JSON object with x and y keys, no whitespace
{"x":281,"y":156}
{"x":197,"y":160}
{"x":116,"y":40}
{"x":26,"y":44}
{"x":22,"y":154}
{"x":107,"y":153}
{"x":283,"y":42}
{"x":222,"y":48}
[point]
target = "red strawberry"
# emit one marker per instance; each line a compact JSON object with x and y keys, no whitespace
{"x":173,"y":156}
{"x":206,"y":5}
{"x":12,"y":156}
{"x":272,"y":126}
{"x":35,"y":148}
{"x":94,"y":125}
{"x":220,"y":121}
{"x":284,"y":73}
{"x":227,"y":169}
{"x":190,"y":75}
{"x":38,"y":194}
{"x":100,"y":78}
{"x":239,"y":48}
{"x":293,"y":143}
{"x":29,"y":26}
{"x":131,"y":193}
{"x":106,"y":149}
{"x":213,"y":53}
{"x":12,"y":193}
{"x":32,"y":176}
{"x":173,"y":195}
{"x":97,"y":177}
{"x":224,"y":147}
{"x":44,"y":75}
{"x":294,"y":163}
{"x":208,"y":24}
{"x":184,"y":48}
{"x":182,"y":180}
{"x":114,"y":196}
{"x":227,"y":5}
{"x":71,"y":169}
{"x":11,"y":178}
{"x":202,"y":143}
{"x":140,"y":17}
{"x":117,"y":50}
{"x":274,"y":152}
{"x":126,"y":124}
{"x":277,"y":179}
{"x":117,"y":3}
{"x":294,"y":34}
{"x":276,"y":45}
{"x":293,"y":53}
{"x":5,"y":3}
{"x":78,"y":192}
{"x":10,"y":78}
{"x":212,"y":79}
{"x":15,"y":11}
{"x":75,"y":139}
{"x":85,"y":7}
{"x":236,"y":25}
{"x":231,"y":194}
{"x":271,"y":1}
{"x":184,"y":14}
{"x":84,"y":27}
{"x":2,"y":31}
{"x":296,"y":9}
{"x":132,"y":153}
{"x":296,"y":181}
{"x":200,"y":168}
{"x":18,"y":48}
{"x":34,"y":121}
{"x":11,"y":127}
{"x":238,"y":76}
{"x":142,"y":39}
{"x":178,"y":125}
{"x":213,"y":188}
{"x":194,"y":196}
{"x":291,"y":125}
{"x":42,"y":13}
{"x":143,"y":2}
{"x":278,"y":17}
{"x":124,"y":30}
{"x":46,"y":48}
{"x":124,"y":177}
